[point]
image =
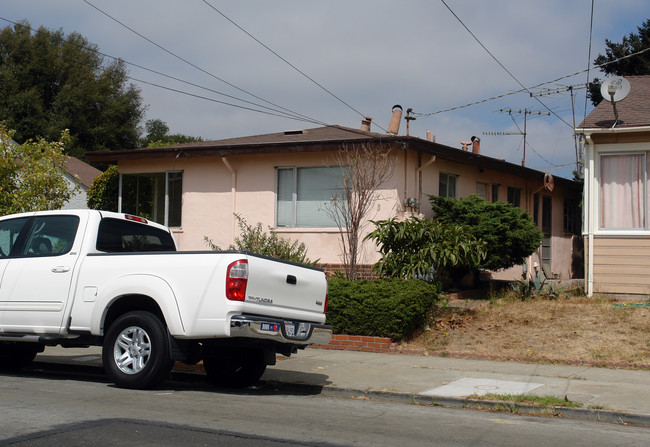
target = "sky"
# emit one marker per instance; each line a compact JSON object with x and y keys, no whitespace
{"x":221,"y":69}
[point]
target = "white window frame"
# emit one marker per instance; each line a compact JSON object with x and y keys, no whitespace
{"x":447,"y":177}
{"x":328,"y":222}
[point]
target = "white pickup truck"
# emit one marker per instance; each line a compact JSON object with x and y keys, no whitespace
{"x":84,"y":277}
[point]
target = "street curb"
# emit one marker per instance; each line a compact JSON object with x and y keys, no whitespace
{"x":581,"y":414}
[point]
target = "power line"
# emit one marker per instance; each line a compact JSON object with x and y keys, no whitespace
{"x":286,"y":61}
{"x":501,"y":65}
{"x":190,"y":63}
{"x":277,"y":112}
{"x":591,"y":28}
{"x":425,"y":115}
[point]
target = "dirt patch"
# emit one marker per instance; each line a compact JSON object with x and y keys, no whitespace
{"x":592,"y":331}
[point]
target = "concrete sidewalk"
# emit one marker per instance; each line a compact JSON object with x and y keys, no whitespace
{"x":608,"y":395}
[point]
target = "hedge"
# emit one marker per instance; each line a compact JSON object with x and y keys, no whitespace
{"x":387,"y":307}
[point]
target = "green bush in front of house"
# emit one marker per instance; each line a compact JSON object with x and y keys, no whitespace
{"x":387,"y":307}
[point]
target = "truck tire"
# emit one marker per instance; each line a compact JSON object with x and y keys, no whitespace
{"x":136,"y":351}
{"x":234,"y":368}
{"x":15,"y":356}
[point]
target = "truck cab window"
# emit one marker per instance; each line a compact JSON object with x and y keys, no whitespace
{"x":51,"y":236}
{"x":117,"y":236}
{"x":9,"y":231}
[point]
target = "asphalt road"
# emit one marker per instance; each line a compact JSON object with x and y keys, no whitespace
{"x":47,"y":406}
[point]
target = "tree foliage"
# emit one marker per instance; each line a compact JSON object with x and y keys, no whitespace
{"x":637,"y":65}
{"x":31,"y":174}
{"x":103,"y":193}
{"x":509,"y":232}
{"x":158,"y":135}
{"x":50,"y":81}
{"x":422,"y":248}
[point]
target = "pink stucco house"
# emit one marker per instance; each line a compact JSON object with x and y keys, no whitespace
{"x":283,"y":179}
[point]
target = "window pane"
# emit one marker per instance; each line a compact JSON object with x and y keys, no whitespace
{"x":9,"y":231}
{"x":495,"y":193}
{"x":144,"y":195}
{"x":621,"y":191}
{"x":284,"y":210}
{"x":316,"y":187}
{"x":481,"y":189}
{"x":51,"y":235}
{"x":175,"y":193}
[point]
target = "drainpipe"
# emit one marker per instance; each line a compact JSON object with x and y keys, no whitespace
{"x":589,"y":217}
{"x":233,"y":191}
{"x":418,"y":176}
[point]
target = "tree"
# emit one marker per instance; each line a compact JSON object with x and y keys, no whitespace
{"x":638,"y":65}
{"x":31,"y":174}
{"x":103,"y":193}
{"x":158,"y":135}
{"x":509,"y":232}
{"x":364,"y":168}
{"x":50,"y":81}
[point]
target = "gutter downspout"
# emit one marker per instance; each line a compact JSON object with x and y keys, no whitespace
{"x":418,"y":176}
{"x":233,"y":191}
{"x":589,"y":185}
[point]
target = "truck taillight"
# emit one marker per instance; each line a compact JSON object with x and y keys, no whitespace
{"x":135,"y":218}
{"x":236,"y":280}
{"x":327,"y":302}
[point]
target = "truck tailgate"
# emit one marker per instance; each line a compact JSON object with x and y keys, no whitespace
{"x":277,"y":288}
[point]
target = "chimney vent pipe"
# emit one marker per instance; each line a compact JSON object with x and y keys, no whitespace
{"x":393,"y":126}
{"x":365,"y":124}
{"x":476,"y":145}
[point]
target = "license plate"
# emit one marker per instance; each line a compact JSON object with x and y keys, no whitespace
{"x":269,"y":327}
{"x":290,"y":329}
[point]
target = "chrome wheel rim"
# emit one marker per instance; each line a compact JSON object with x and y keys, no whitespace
{"x":132,"y":350}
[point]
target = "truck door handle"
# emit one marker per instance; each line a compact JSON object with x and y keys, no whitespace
{"x":291,"y":279}
{"x":61,"y":269}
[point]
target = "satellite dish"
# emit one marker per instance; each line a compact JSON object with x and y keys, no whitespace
{"x":615,"y":88}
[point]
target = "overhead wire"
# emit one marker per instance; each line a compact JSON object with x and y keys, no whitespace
{"x":591,"y":29}
{"x":268,"y":111}
{"x":501,"y":65}
{"x":424,"y":115}
{"x":286,"y":61}
{"x":190,"y":63}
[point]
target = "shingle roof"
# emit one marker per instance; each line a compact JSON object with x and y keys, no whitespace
{"x":633,"y":111}
{"x":83,"y":171}
{"x":328,"y":138}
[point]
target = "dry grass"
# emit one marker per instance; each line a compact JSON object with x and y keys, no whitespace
{"x":593,"y":331}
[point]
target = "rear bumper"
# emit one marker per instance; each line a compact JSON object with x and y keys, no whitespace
{"x":279,"y":330}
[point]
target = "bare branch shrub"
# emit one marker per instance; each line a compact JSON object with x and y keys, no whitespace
{"x":364,"y":168}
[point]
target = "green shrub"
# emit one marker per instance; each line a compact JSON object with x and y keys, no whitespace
{"x":387,"y":307}
{"x":255,"y":240}
{"x":509,"y":232}
{"x":423,"y":248}
{"x":102,"y":194}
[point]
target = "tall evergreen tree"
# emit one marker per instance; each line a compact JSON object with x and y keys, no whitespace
{"x":637,"y":65}
{"x":50,"y":81}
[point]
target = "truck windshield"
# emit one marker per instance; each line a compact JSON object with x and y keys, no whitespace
{"x":116,"y":236}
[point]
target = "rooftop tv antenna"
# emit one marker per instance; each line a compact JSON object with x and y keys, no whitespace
{"x":615,"y":89}
{"x":524,"y":112}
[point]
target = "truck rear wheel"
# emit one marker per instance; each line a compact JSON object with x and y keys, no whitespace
{"x":136,"y":351}
{"x":234,"y":368}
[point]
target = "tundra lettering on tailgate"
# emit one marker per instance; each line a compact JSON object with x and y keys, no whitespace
{"x":260,"y":300}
